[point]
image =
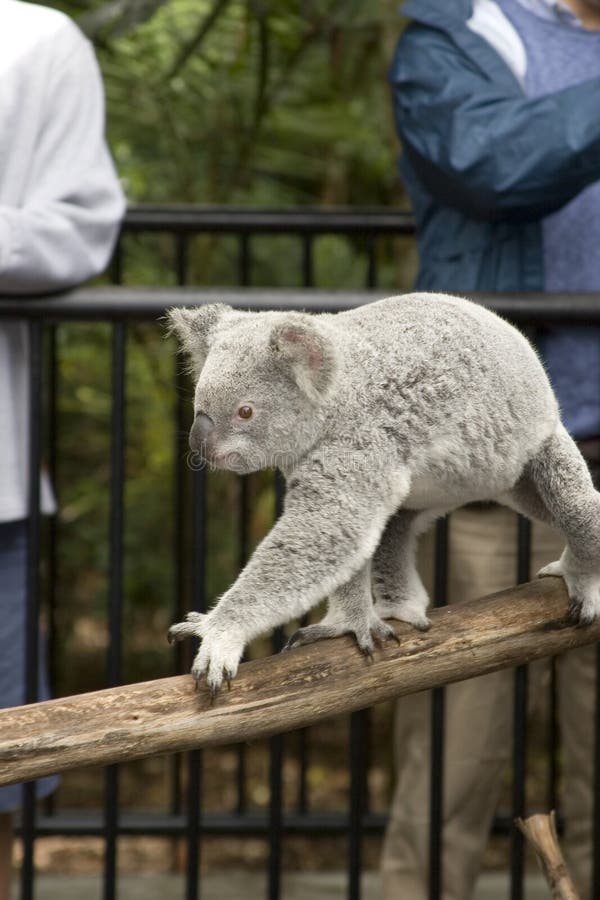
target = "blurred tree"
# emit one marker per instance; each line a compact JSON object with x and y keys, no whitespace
{"x":246,"y":101}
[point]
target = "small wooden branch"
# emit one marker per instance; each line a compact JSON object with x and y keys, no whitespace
{"x":289,"y":690}
{"x":540,"y":831}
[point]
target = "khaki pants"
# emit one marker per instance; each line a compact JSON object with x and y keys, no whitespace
{"x":478,"y":735}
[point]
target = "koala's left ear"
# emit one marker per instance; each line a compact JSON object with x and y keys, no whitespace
{"x":310,"y":353}
{"x":194,"y":328}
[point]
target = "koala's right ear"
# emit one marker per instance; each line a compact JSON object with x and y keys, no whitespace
{"x":194,"y":328}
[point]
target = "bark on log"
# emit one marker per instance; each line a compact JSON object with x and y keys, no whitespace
{"x":288,"y":691}
{"x":540,"y":831}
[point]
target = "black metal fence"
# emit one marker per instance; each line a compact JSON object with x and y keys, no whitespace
{"x":184,"y":817}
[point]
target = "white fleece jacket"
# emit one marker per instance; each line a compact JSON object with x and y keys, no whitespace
{"x":60,"y":200}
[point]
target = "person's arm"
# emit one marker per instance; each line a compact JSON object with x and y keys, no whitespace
{"x":66,"y":228}
{"x":495,"y":155}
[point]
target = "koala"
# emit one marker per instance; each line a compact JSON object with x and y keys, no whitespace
{"x":381,"y":419}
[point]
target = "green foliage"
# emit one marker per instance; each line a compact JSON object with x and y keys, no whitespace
{"x":235,"y":101}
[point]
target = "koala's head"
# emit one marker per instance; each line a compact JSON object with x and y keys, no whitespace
{"x":262,"y":383}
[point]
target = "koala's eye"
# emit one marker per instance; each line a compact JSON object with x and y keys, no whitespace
{"x":245,"y":411}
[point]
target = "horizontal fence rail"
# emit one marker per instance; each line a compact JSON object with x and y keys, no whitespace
{"x":182,"y":218}
{"x":363,"y":228}
{"x":123,"y":304}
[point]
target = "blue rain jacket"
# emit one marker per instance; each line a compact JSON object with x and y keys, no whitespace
{"x":482,"y":162}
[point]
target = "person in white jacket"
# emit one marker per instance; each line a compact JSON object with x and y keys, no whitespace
{"x":60,"y":210}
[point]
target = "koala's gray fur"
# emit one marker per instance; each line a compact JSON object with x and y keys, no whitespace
{"x":381,"y":419}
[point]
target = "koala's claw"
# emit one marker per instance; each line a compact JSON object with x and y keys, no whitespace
{"x":214,"y":684}
{"x":383,"y":632}
{"x":552,"y":570}
{"x":220,"y":652}
{"x":308,"y":635}
{"x":377,"y":631}
{"x":319,"y":632}
{"x":573,"y":613}
{"x":380,"y":641}
{"x":367,"y":652}
{"x":583,"y":588}
{"x":192,"y":626}
{"x":576,"y":614}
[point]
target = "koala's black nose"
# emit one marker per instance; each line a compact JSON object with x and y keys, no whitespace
{"x":201,"y":430}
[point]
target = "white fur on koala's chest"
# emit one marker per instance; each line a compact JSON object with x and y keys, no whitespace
{"x":447,"y":478}
{"x":427,"y":494}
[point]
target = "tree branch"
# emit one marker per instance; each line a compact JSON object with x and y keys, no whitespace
{"x":193,"y":45}
{"x":117,"y":17}
{"x":540,"y":831}
{"x":290,"y":690}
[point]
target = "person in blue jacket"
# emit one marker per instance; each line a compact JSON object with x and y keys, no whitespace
{"x":497,"y":104}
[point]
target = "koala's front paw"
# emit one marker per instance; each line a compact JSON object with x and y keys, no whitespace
{"x":218,"y":658}
{"x":190,"y":627}
{"x":583,"y":589}
{"x":220,"y":652}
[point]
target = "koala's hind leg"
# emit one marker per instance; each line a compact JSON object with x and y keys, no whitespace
{"x":559,"y":477}
{"x":399,"y":591}
{"x":350,"y":611}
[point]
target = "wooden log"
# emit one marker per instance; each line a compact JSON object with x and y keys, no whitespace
{"x":540,"y":831}
{"x":289,"y":690}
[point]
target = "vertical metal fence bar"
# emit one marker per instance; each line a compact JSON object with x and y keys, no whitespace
{"x":195,"y":758}
{"x":34,"y":536}
{"x":371,"y":261}
{"x":517,"y":849}
{"x":115,"y":269}
{"x":243,"y":541}
{"x":596,"y":813}
{"x":192,"y":886}
{"x":524,"y":549}
{"x":179,"y":557}
{"x":308,"y":275}
{"x":436,"y":800}
{"x":181,"y":258}
{"x":276,"y":759}
{"x":367,"y":764}
{"x":52,"y":548}
{"x":275,"y":816}
{"x":308,"y":280}
{"x":244,"y":272}
{"x":52,"y":369}
{"x":115,"y":591}
{"x":179,"y":544}
{"x":32,"y":610}
{"x":357,"y":798}
{"x":179,"y":484}
{"x":302,"y":804}
{"x":244,"y":280}
{"x":553,"y":771}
